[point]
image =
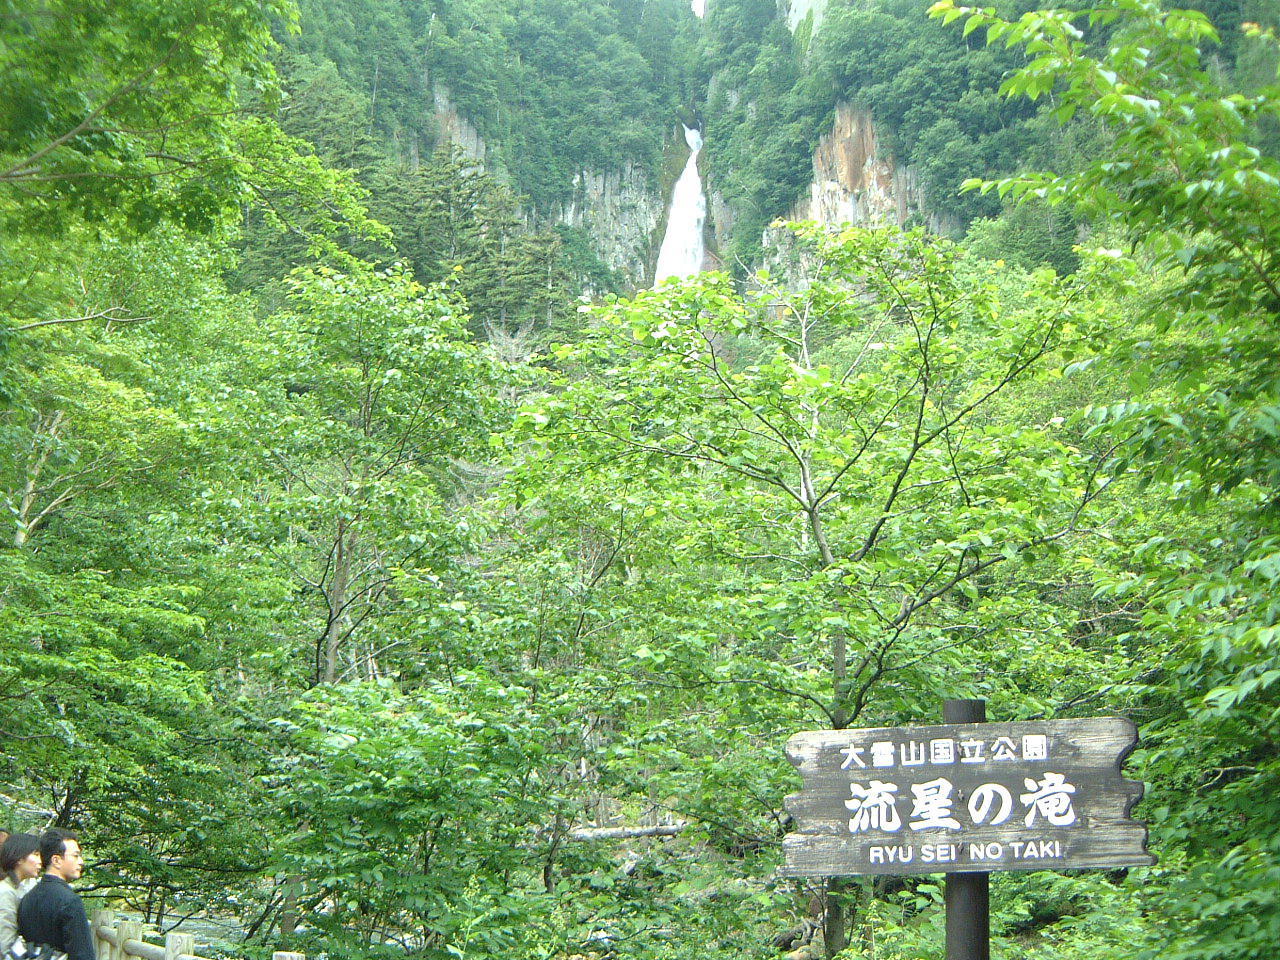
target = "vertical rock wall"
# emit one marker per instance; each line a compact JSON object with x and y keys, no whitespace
{"x":620,"y":210}
{"x":720,"y":220}
{"x":797,"y":10}
{"x":452,"y":127}
{"x":856,"y":180}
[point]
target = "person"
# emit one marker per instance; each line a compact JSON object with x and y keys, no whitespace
{"x":51,"y":915}
{"x":19,"y":867}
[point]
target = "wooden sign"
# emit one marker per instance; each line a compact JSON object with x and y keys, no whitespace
{"x":965,"y":798}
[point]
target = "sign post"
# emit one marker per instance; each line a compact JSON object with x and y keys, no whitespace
{"x":965,"y":798}
{"x":967,"y":895}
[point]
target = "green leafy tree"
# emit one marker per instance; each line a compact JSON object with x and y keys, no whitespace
{"x":423,"y":813}
{"x":1188,"y":182}
{"x":126,"y":117}
{"x":370,"y":388}
{"x":108,"y":718}
{"x":840,"y":438}
{"x":127,"y":108}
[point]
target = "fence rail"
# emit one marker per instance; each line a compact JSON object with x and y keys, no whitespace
{"x":116,"y":939}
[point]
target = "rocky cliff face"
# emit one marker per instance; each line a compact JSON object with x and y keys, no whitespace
{"x":452,"y":127}
{"x":620,"y":211}
{"x":856,"y":180}
{"x":720,"y":220}
{"x":797,"y":10}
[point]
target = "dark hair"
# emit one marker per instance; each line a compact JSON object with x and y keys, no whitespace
{"x":54,"y":844}
{"x":17,"y":848}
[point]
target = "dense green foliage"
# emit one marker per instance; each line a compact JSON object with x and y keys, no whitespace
{"x":1199,"y":422}
{"x":331,"y":602}
{"x":933,"y":93}
{"x":773,"y":94}
{"x":157,"y":142}
{"x":553,"y":86}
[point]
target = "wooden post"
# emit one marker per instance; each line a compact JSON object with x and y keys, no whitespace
{"x":129,"y":930}
{"x":967,"y":895}
{"x":101,"y":945}
{"x":178,"y":944}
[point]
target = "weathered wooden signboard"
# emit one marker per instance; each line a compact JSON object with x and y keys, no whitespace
{"x":965,"y":798}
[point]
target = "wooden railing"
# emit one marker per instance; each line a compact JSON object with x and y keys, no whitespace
{"x":115,"y":939}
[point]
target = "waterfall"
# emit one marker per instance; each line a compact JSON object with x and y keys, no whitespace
{"x":682,"y":250}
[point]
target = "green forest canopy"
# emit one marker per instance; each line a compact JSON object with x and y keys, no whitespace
{"x":329,"y":594}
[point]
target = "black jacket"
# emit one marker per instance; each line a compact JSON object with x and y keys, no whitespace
{"x":52,"y":913}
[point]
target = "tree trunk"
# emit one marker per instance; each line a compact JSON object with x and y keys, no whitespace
{"x":48,"y":430}
{"x":289,"y":909}
{"x":837,"y":916}
{"x":24,"y":512}
{"x":337,"y":598}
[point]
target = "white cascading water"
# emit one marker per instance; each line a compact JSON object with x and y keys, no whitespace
{"x":682,"y":248}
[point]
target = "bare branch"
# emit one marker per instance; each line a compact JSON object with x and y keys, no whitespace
{"x":625,"y":833}
{"x":111,"y":314}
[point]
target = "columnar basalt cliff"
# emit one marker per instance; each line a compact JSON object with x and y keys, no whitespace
{"x":797,"y":10}
{"x":620,"y":210}
{"x":453,"y":127}
{"x":856,"y":180}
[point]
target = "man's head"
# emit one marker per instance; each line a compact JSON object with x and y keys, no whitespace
{"x":60,"y":854}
